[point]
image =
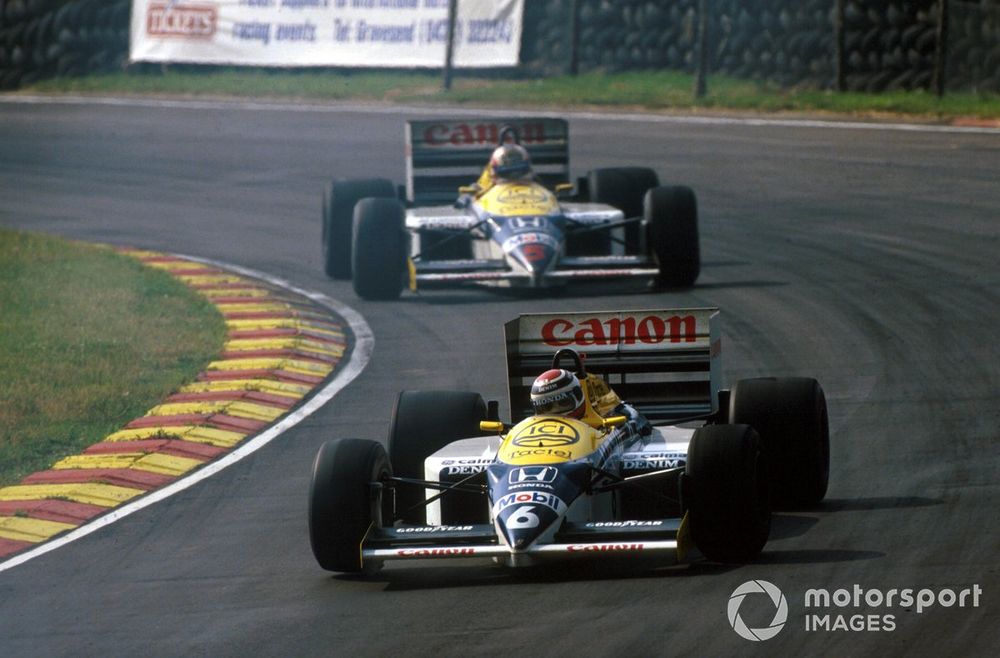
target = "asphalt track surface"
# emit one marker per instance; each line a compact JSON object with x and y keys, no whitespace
{"x":865,"y":258}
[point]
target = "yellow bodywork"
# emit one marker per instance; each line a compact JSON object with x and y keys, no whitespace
{"x":548,"y":440}
{"x":518,"y":199}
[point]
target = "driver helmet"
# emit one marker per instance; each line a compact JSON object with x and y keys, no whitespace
{"x":510,"y":162}
{"x":558,"y":392}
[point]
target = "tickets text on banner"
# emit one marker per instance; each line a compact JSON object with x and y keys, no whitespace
{"x":356,"y":33}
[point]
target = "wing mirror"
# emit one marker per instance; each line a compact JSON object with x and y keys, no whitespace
{"x":614,"y":421}
{"x":563,"y":188}
{"x":467,"y":189}
{"x":492,"y":426}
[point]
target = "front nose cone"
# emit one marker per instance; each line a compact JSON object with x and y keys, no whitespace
{"x":535,"y":257}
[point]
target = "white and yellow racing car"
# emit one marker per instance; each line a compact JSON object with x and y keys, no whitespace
{"x":681,"y":467}
{"x":521,"y":224}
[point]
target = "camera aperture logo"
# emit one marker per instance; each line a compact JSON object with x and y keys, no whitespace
{"x":856,"y":609}
{"x":777,"y":599}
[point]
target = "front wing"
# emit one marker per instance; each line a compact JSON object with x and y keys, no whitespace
{"x":661,"y":538}
{"x":583,"y":268}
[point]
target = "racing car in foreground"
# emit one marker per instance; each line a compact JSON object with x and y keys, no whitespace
{"x":683,"y":467}
{"x":616,"y":223}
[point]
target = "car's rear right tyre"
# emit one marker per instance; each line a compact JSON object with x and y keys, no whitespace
{"x":423,"y":422}
{"x":339,"y":199}
{"x":340,"y":511}
{"x":378,"y":258}
{"x":790,"y":415}
{"x":622,"y":188}
{"x":725,"y":490}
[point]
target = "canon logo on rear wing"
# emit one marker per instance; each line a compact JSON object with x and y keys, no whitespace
{"x":479,"y":134}
{"x":661,"y":330}
{"x":628,"y":330}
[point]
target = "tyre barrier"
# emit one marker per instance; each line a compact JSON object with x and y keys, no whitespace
{"x":889,"y":44}
{"x":279,"y":348}
{"x":54,"y":38}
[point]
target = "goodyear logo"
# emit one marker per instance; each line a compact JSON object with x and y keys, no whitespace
{"x":546,"y":433}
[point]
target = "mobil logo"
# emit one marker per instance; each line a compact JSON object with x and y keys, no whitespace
{"x":480,"y":133}
{"x":537,"y":498}
{"x":649,"y":329}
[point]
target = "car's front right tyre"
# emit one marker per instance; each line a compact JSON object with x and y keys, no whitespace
{"x":340,"y":509}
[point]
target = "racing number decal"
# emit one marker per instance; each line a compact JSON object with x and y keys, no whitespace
{"x":533,"y":252}
{"x":522,"y":518}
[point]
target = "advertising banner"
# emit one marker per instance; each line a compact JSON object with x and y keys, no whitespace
{"x":350,"y":33}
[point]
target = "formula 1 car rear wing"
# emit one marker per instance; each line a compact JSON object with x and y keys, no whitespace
{"x":442,"y":155}
{"x":666,"y":363}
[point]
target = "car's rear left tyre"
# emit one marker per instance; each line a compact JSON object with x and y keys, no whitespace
{"x":378,"y":259}
{"x":423,"y":422}
{"x":725,"y":490}
{"x":339,"y":199}
{"x":340,"y":510}
{"x":672,"y":222}
{"x":790,"y":415}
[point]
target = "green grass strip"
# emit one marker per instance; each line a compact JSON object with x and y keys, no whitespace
{"x":652,"y":90}
{"x":89,"y":340}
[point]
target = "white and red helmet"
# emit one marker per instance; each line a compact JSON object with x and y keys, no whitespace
{"x":558,"y":392}
{"x":510,"y":162}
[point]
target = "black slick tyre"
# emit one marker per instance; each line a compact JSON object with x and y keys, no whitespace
{"x":790,"y":415}
{"x":423,"y":422}
{"x":378,"y":256}
{"x":340,"y":511}
{"x":339,"y":199}
{"x":726,"y":493}
{"x":622,"y":188}
{"x":672,"y":223}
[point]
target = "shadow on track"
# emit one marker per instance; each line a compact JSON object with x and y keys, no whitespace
{"x":877,"y":503}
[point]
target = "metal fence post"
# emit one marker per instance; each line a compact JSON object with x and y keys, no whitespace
{"x":574,"y":38}
{"x":700,"y":84}
{"x":941,"y":48}
{"x":449,"y":51}
{"x":840,"y":40}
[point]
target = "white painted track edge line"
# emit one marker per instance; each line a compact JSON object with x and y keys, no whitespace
{"x":415,"y":110}
{"x":364,"y":343}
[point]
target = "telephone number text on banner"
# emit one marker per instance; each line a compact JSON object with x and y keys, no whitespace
{"x":354,"y":33}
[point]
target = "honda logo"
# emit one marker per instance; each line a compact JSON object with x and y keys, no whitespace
{"x":542,"y":474}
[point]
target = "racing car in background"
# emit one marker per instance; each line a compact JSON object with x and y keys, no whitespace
{"x":662,"y":462}
{"x":615,"y":223}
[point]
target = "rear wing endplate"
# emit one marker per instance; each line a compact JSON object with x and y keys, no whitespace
{"x":666,"y":363}
{"x":444,"y":154}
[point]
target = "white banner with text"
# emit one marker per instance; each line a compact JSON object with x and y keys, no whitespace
{"x":352,"y":33}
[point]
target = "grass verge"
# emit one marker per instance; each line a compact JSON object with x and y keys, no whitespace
{"x":89,"y":340}
{"x":654,"y":90}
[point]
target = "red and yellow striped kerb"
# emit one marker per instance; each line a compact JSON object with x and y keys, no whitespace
{"x":279,"y":347}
